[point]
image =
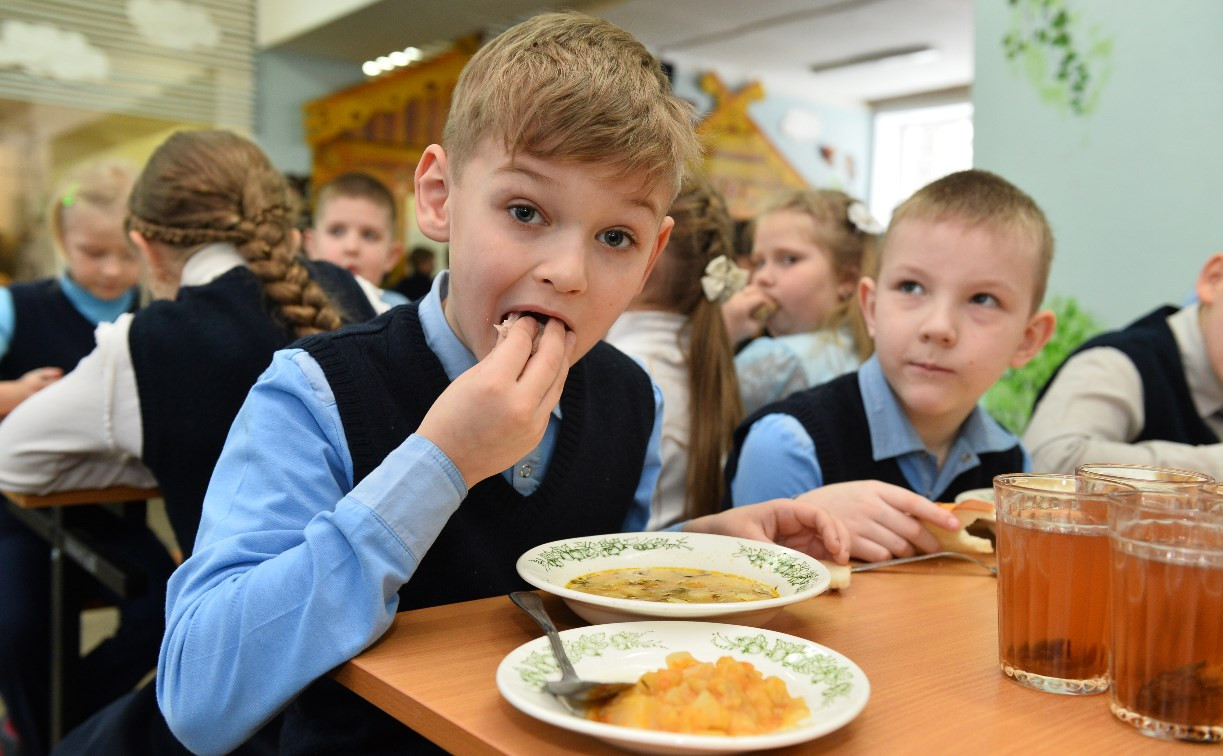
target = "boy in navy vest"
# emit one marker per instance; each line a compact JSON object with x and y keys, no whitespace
{"x":409,"y":461}
{"x":1150,"y":393}
{"x":962,"y":273}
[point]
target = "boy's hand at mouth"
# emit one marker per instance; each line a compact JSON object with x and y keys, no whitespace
{"x":496,"y":412}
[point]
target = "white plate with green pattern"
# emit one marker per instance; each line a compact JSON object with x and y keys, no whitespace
{"x":834,"y":688}
{"x":794,"y":575}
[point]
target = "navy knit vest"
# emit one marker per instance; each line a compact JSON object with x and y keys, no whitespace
{"x":385,"y":379}
{"x":834,"y":415}
{"x":195,"y":359}
{"x":1169,"y":413}
{"x":48,"y":332}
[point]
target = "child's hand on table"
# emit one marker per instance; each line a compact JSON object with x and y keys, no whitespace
{"x":882,"y":518}
{"x":497,"y":411}
{"x":801,"y":526}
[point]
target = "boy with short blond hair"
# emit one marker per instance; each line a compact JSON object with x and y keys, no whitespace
{"x":354,"y":228}
{"x":962,"y":273}
{"x":409,"y":462}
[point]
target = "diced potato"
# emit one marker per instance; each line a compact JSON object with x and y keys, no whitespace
{"x":726,"y":697}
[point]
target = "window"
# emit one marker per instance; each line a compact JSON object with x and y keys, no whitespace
{"x":914,"y":146}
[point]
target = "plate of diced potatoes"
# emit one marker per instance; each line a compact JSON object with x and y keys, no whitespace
{"x":701,"y":687}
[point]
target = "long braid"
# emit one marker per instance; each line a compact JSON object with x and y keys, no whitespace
{"x":202,"y":187}
{"x":703,"y":231}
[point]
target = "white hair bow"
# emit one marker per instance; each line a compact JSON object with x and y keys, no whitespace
{"x":722,"y":279}
{"x":862,"y":219}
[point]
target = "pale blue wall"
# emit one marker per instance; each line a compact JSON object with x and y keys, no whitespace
{"x":285,"y":82}
{"x":1133,"y":188}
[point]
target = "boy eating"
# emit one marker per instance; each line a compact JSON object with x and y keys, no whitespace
{"x":354,"y":228}
{"x":962,"y":273}
{"x":408,"y":463}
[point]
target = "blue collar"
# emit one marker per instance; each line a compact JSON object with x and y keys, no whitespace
{"x":93,"y":309}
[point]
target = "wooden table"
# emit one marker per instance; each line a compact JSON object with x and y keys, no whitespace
{"x":72,"y":556}
{"x":924,"y":634}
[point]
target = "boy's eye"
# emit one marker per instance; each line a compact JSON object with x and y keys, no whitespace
{"x":525,"y":214}
{"x":789,"y":260}
{"x":618,"y":238}
{"x":988,"y":300}
{"x":336,"y":230}
{"x":910,"y":287}
{"x":372,"y":236}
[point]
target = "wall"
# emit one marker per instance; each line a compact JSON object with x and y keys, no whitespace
{"x":284,"y":82}
{"x":1133,"y":186}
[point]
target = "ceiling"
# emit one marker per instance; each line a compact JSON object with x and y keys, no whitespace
{"x":773,"y":40}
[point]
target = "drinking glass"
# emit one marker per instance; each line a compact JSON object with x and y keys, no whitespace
{"x":1166,"y":640}
{"x":1145,"y":477}
{"x":1052,"y":541}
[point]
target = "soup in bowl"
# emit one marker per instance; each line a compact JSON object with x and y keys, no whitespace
{"x":682,"y":576}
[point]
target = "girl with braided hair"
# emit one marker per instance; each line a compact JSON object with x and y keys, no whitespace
{"x":674,"y":327}
{"x":153,"y":402}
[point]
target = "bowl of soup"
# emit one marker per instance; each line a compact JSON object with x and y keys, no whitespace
{"x":673,"y":576}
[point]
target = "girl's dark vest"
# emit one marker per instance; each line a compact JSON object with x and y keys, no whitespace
{"x":834,"y":415}
{"x":49,"y":331}
{"x":195,"y":359}
{"x":385,"y":379}
{"x":1169,"y":413}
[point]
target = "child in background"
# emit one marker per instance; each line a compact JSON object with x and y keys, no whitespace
{"x":46,"y":326}
{"x":809,"y":249}
{"x":354,"y":228}
{"x":1148,"y":394}
{"x":152,"y":404}
{"x":955,"y":303}
{"x":409,"y":462}
{"x":674,"y":327}
{"x":417,"y":284}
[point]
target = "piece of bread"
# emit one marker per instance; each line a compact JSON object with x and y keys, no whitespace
{"x":967,"y":512}
{"x":503,"y":328}
{"x":763,"y":311}
{"x":839,"y":573}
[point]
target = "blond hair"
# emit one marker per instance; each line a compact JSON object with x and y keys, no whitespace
{"x":201,"y":187}
{"x":103,"y":185}
{"x":356,"y":185}
{"x":980,"y":198}
{"x":572,"y":87}
{"x":851,"y":251}
{"x":703,"y":232}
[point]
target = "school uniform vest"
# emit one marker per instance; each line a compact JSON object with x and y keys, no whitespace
{"x":49,"y":331}
{"x":834,"y":415}
{"x":195,"y":359}
{"x":1168,"y":413}
{"x":385,"y":379}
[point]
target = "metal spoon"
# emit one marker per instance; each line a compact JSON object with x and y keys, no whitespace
{"x":570,"y":687}
{"x":921,"y":557}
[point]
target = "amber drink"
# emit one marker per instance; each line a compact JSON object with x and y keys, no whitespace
{"x":1052,"y":541}
{"x":1167,"y":627}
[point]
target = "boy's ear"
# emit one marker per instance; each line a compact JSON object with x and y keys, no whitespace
{"x":1210,"y":281}
{"x":432,"y":193}
{"x":866,"y":302}
{"x":1036,"y":334}
{"x":664,"y":235}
